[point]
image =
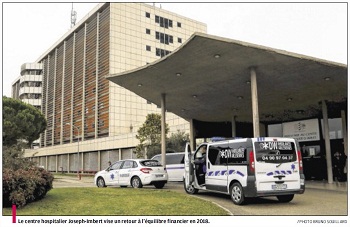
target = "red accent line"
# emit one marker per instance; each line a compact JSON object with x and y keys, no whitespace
{"x":13,"y":213}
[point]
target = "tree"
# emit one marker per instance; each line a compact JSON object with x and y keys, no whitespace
{"x":21,"y":121}
{"x":149,"y":136}
{"x":177,"y":141}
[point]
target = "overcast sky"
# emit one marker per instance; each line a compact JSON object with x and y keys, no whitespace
{"x":313,"y":29}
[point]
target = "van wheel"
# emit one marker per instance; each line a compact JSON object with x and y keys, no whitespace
{"x":190,"y":189}
{"x":236,"y":192}
{"x":285,"y":198}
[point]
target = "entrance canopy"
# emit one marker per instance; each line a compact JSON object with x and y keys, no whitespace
{"x":208,"y":79}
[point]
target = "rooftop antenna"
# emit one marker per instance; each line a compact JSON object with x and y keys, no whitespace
{"x":73,"y":17}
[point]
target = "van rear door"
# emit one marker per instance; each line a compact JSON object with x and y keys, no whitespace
{"x":276,"y":165}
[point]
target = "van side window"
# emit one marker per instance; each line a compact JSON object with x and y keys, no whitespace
{"x":238,"y":153}
{"x":213,"y":155}
{"x":175,"y":159}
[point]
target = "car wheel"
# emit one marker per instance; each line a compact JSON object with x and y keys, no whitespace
{"x":285,"y":198}
{"x":159,"y":184}
{"x":190,"y":189}
{"x":101,"y":182}
{"x":136,"y":182}
{"x":236,"y":192}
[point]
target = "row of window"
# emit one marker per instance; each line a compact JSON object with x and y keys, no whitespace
{"x":30,"y":84}
{"x":162,"y":21}
{"x":163,"y":37}
{"x":30,"y":96}
{"x":159,"y":52}
{"x":32,"y":72}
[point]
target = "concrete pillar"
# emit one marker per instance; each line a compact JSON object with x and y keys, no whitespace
{"x":233,"y":127}
{"x":254,"y":91}
{"x":345,"y":132}
{"x":98,"y":160}
{"x":81,"y":163}
{"x":345,"y":138}
{"x":327,"y":142}
{"x":56,"y":164}
{"x":68,"y":163}
{"x":192,"y":136}
{"x":120,"y":154}
{"x":163,"y":135}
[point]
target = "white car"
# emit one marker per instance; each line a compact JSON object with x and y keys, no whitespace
{"x":133,"y":172}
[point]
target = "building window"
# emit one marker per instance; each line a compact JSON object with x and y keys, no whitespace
{"x":163,"y":22}
{"x":179,"y":40}
{"x":148,"y":15}
{"x":148,"y":31}
{"x":162,"y":52}
{"x":179,"y":24}
{"x":164,"y":38}
{"x":148,"y":48}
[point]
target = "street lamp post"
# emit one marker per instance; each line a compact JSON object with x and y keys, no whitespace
{"x":78,"y":149}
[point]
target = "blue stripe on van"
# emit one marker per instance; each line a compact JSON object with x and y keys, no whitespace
{"x":279,"y":172}
{"x":224,"y":172}
{"x":239,"y":173}
{"x":231,"y":171}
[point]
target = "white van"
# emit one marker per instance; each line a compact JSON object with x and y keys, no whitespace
{"x":175,"y":165}
{"x":251,"y":167}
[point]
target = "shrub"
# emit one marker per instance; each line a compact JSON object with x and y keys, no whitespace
{"x":23,"y":186}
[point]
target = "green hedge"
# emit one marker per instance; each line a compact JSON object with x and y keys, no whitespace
{"x":21,"y":186}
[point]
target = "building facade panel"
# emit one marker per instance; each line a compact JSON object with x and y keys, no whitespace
{"x":58,"y":93}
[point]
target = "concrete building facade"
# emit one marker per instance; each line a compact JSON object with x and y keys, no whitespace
{"x":28,"y":86}
{"x":90,"y":120}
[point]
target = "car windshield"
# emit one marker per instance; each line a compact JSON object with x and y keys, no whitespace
{"x":150,"y":163}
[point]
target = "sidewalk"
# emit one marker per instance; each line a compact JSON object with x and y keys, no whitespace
{"x":319,"y":184}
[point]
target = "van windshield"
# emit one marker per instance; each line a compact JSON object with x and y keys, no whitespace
{"x":275,"y":152}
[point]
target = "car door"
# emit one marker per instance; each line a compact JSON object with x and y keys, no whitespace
{"x":189,"y":172}
{"x":126,"y":171}
{"x":112,"y":174}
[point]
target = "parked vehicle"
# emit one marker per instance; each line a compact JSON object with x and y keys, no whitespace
{"x":250,"y":167}
{"x":174,"y":165}
{"x":133,"y":172}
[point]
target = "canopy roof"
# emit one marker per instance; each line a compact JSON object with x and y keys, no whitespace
{"x":207,"y":78}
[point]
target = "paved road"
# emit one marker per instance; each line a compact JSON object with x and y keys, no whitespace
{"x":318,"y":199}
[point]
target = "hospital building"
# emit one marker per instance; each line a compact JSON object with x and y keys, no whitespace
{"x":91,"y":120}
